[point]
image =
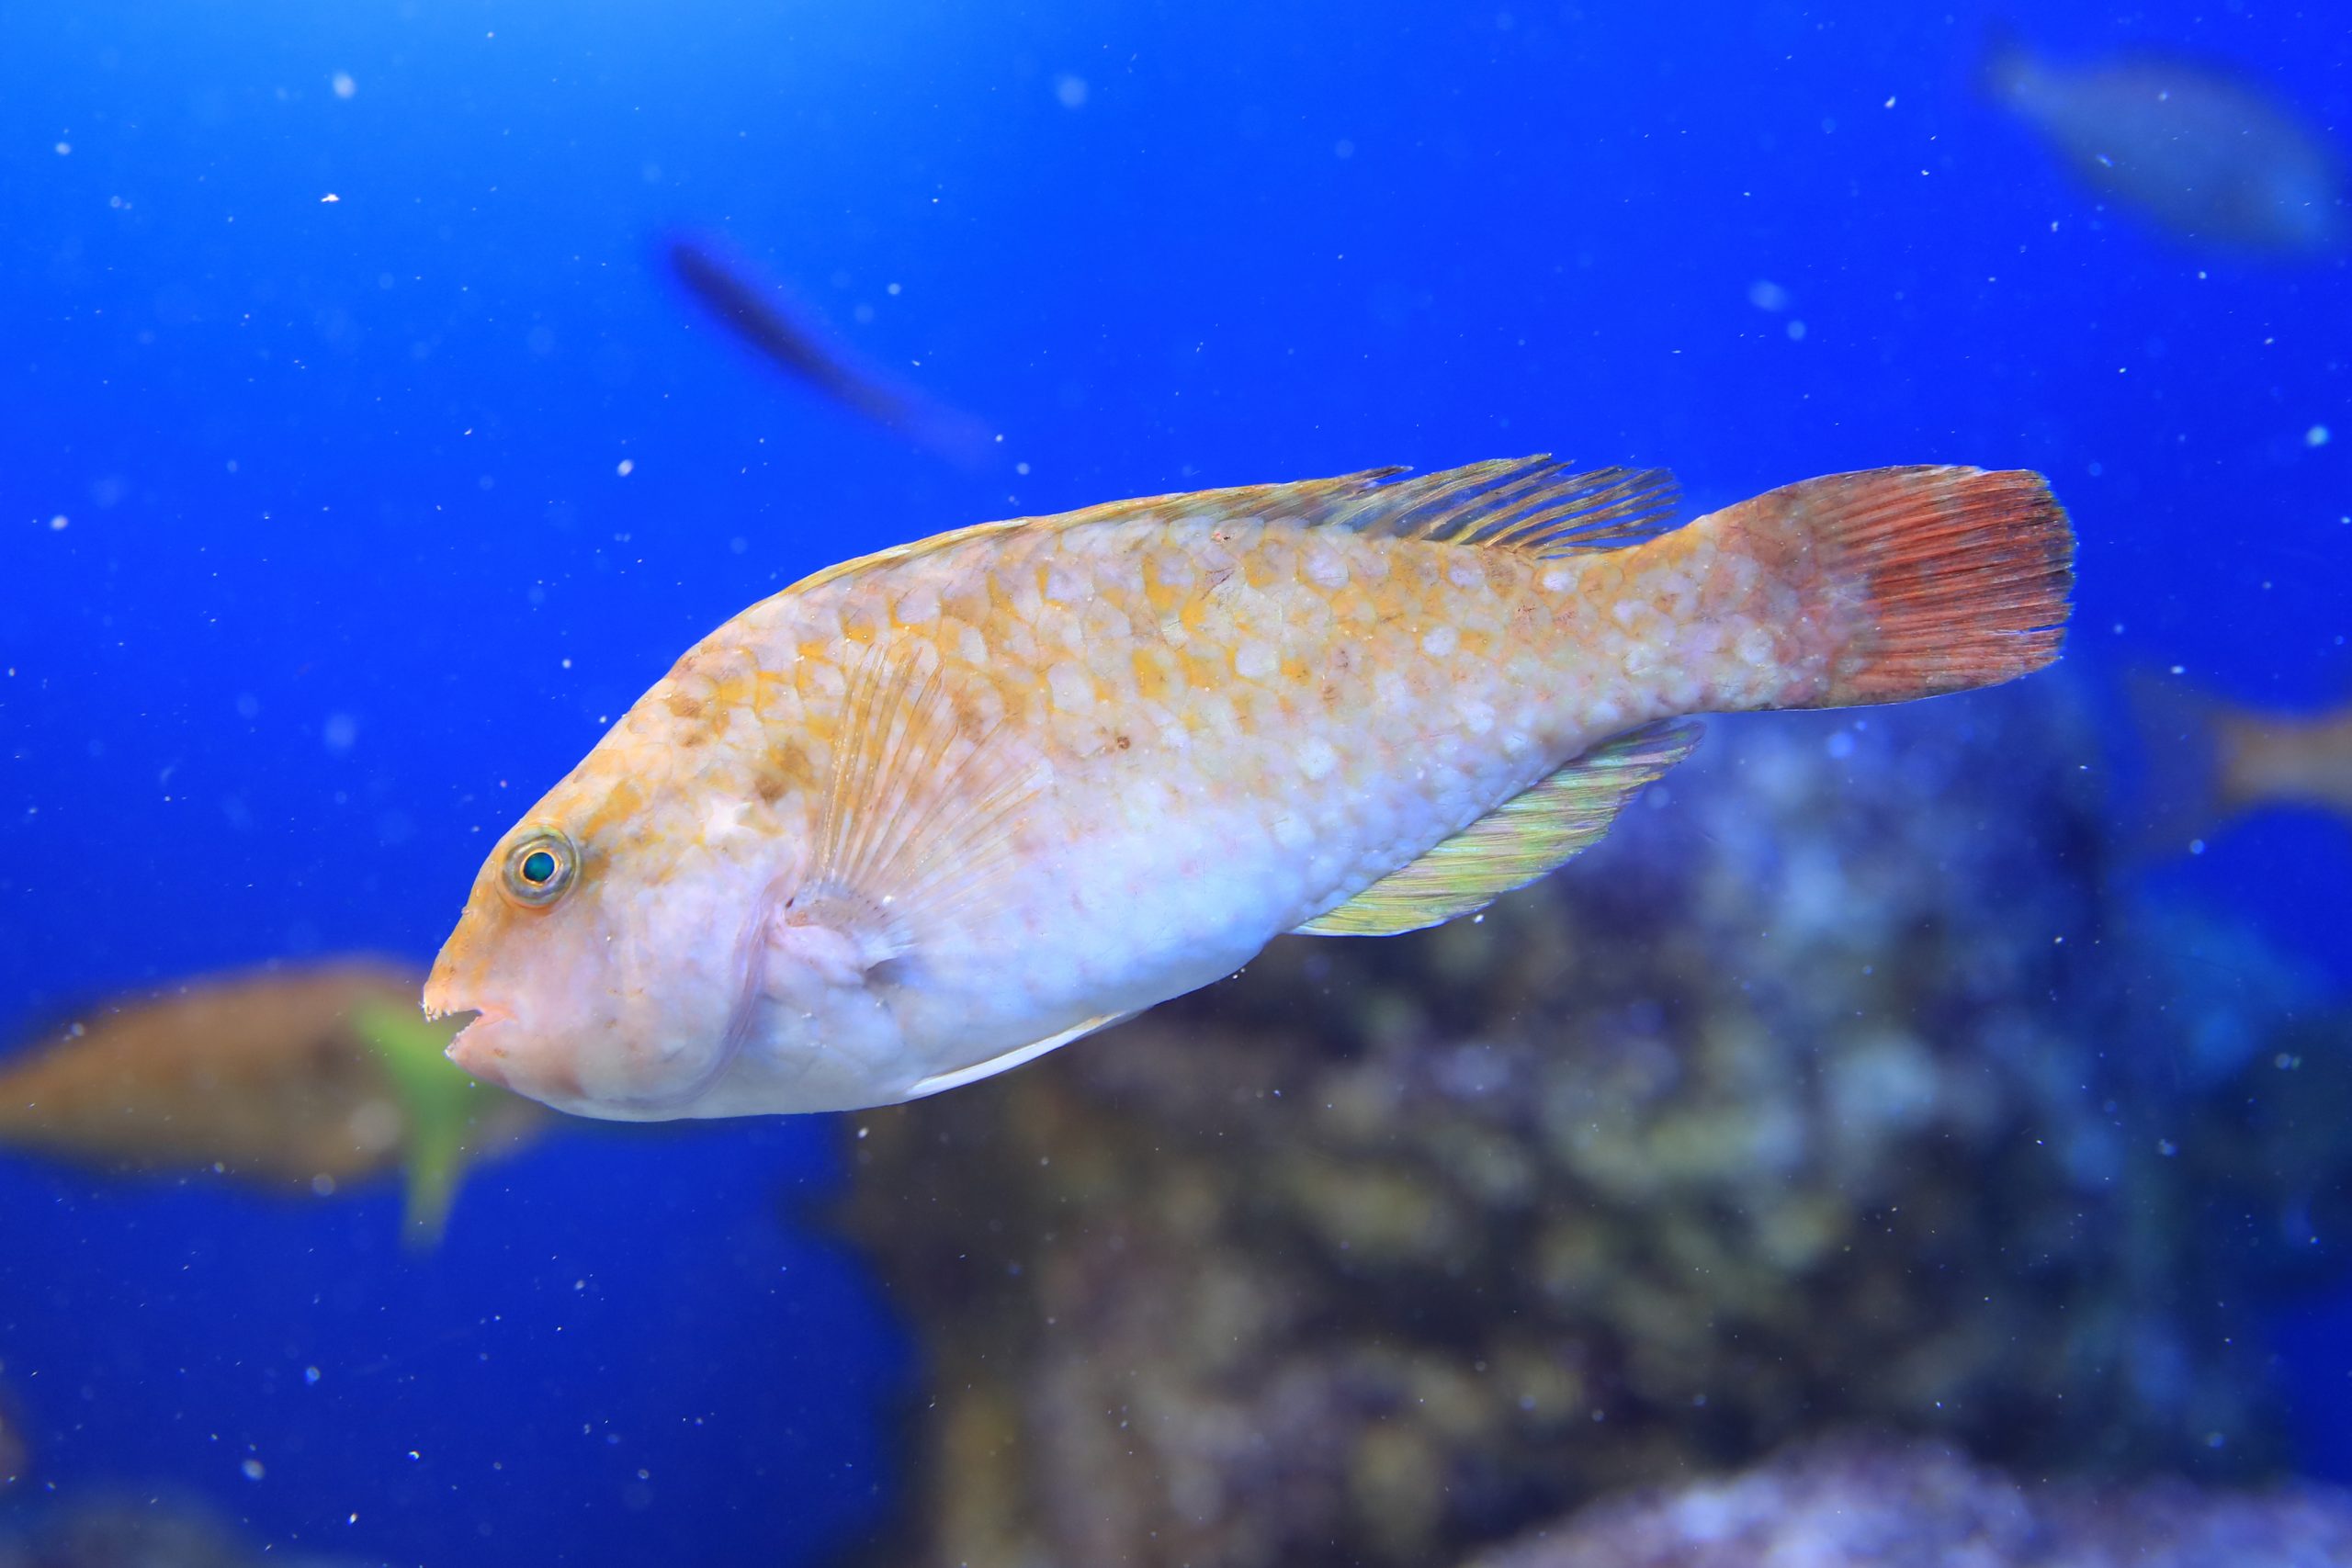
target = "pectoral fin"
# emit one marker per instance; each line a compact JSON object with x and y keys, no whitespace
{"x":1515,"y":843}
{"x":917,"y":821}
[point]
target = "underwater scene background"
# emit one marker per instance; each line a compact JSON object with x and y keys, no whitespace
{"x":1947,"y":1100}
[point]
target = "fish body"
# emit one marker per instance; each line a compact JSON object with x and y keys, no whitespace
{"x":929,"y":814}
{"x":2193,"y":147}
{"x":285,"y":1079}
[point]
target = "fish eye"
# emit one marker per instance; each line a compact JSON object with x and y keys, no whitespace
{"x":539,"y":868}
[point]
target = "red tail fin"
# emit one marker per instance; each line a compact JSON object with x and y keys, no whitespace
{"x":1915,"y":580}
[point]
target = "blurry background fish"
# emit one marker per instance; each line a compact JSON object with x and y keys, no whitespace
{"x":13,"y":1455}
{"x":759,"y":313}
{"x":2211,"y":760}
{"x":144,"y":1523}
{"x":2203,"y":152}
{"x":311,"y":1079}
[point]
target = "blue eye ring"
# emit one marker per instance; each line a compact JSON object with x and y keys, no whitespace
{"x":541,"y":867}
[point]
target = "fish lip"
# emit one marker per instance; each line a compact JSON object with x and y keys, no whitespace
{"x":469,"y":1047}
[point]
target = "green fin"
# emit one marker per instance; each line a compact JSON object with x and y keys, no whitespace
{"x":1515,"y":843}
{"x":440,"y":1099}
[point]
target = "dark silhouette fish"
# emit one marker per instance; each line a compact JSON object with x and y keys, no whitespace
{"x":2199,"y":150}
{"x":755,"y":312}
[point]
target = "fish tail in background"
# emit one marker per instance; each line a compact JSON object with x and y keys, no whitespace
{"x":2183,"y":744}
{"x":438,"y":1102}
{"x":1897,"y":583}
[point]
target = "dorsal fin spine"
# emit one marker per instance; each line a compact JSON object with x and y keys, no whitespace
{"x":1520,"y":503}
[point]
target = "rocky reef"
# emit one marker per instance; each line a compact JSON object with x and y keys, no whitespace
{"x":1860,"y":1502}
{"x":1820,"y":1093}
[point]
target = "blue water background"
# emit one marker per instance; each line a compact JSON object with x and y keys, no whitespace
{"x":349,"y":569}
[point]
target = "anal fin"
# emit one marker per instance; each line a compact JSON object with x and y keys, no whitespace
{"x":1520,"y":839}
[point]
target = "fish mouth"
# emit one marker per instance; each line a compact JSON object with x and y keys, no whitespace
{"x":472,"y":1048}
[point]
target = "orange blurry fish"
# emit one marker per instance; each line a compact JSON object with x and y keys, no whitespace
{"x":927,"y":814}
{"x":311,"y":1078}
{"x":2213,"y":761}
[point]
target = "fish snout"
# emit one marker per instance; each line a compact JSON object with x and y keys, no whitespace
{"x":453,"y":988}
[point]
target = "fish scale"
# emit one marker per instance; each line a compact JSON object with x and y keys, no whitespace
{"x":1244,"y":687}
{"x":931,"y":812}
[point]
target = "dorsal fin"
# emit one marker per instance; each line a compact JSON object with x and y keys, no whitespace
{"x":1515,"y":843}
{"x":1523,"y":503}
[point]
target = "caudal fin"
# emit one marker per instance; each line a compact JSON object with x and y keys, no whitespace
{"x":2183,"y":764}
{"x":1910,"y":582}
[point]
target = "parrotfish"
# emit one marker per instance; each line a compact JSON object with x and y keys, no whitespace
{"x":314,"y":1077}
{"x":2190,"y":144}
{"x":934,"y":812}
